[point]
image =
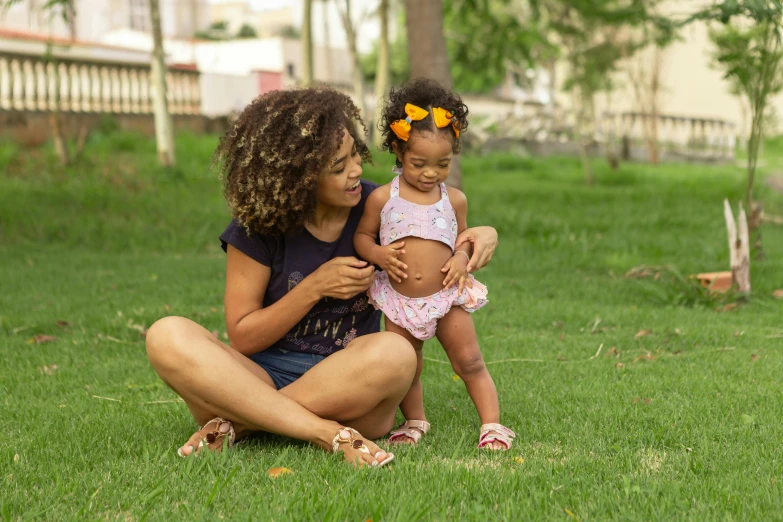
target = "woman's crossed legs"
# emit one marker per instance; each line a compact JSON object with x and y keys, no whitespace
{"x":360,"y":386}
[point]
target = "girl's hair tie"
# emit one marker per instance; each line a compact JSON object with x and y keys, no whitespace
{"x":402,"y":128}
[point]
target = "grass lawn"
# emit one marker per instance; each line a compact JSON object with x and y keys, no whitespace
{"x":683,"y":423}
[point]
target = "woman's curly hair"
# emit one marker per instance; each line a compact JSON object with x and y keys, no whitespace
{"x":271,"y":157}
{"x":424,"y":93}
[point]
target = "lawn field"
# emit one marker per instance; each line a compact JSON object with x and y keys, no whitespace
{"x":632,"y":398}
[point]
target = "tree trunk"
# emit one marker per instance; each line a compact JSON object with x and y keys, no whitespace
{"x":739,"y":247}
{"x":55,"y":123}
{"x":382,"y":70}
{"x":307,"y":43}
{"x":358,"y":80}
{"x":327,"y":39}
{"x":164,"y":133}
{"x":427,"y":54}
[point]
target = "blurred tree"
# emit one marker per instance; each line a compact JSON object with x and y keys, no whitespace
{"x":382,"y":70}
{"x":164,"y":130}
{"x":748,"y":38}
{"x":594,"y":37}
{"x":350,"y":35}
{"x":66,"y":10}
{"x":247,"y":31}
{"x":307,"y":43}
{"x":492,"y":41}
{"x":644,"y":70}
{"x":216,"y":31}
{"x":427,"y":54}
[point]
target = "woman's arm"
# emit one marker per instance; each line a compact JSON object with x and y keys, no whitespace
{"x":252,"y":328}
{"x":479,"y":242}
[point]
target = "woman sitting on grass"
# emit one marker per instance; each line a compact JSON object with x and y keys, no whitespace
{"x":307,"y":359}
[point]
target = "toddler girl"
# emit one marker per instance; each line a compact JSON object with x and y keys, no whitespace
{"x":418,"y":219}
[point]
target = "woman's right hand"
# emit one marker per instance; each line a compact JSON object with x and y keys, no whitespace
{"x":343,"y":277}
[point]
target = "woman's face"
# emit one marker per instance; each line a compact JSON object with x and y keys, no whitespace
{"x":340,"y":186}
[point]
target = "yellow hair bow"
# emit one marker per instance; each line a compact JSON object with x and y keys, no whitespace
{"x":402,"y":128}
{"x":443,"y":118}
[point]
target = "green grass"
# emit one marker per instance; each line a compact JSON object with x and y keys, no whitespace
{"x":681,"y":424}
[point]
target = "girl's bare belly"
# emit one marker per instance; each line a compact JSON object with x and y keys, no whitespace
{"x":424,"y":258}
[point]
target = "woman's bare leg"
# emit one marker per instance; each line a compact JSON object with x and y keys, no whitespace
{"x":362,"y":385}
{"x":216,"y":381}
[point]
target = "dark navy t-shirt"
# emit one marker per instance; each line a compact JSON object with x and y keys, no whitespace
{"x":332,"y":323}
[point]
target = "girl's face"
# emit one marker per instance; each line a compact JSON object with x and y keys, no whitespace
{"x":426,"y":161}
{"x":340,"y":186}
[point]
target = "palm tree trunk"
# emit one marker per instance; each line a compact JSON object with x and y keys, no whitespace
{"x":164,"y":133}
{"x":427,"y":54}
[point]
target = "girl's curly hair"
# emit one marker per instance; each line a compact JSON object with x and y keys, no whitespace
{"x":271,"y":157}
{"x":424,"y":93}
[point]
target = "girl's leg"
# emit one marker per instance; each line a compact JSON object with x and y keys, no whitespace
{"x":216,"y":381}
{"x":457,"y":334}
{"x":412,"y":406}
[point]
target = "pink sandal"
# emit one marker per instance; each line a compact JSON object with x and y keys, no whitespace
{"x":496,"y":433}
{"x":413,"y":429}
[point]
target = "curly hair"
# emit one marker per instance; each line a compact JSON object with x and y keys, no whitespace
{"x":271,"y":157}
{"x":424,"y":93}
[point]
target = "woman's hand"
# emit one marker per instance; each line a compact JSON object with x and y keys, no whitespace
{"x":387,"y":258}
{"x":484,"y":240}
{"x":343,"y":278}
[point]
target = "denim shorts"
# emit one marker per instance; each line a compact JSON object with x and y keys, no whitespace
{"x":284,"y":366}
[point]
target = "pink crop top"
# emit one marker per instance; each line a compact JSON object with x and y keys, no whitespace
{"x":401,"y":218}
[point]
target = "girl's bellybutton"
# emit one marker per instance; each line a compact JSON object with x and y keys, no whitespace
{"x":418,"y":276}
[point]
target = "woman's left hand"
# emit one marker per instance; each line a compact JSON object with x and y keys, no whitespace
{"x":484,"y":240}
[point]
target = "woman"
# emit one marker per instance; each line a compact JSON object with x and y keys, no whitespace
{"x":307,"y":359}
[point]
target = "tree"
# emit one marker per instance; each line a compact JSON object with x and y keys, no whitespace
{"x":382,"y":68}
{"x":594,"y":38}
{"x":307,"y":43}
{"x":164,"y":132}
{"x":67,"y":11}
{"x":748,"y":39}
{"x":490,"y":40}
{"x":247,"y":31}
{"x":350,"y":34}
{"x":216,"y":31}
{"x":645,"y":75}
{"x":427,"y":54}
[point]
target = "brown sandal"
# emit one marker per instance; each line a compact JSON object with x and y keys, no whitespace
{"x":214,"y":440}
{"x":350,"y":436}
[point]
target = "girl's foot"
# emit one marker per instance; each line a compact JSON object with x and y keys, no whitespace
{"x":495,"y":436}
{"x":211,"y":436}
{"x":359,"y":451}
{"x":410,"y":432}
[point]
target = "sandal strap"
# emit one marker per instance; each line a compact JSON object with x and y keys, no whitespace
{"x":494,"y":432}
{"x":413,"y":429}
{"x":352,"y":439}
{"x":219,"y":421}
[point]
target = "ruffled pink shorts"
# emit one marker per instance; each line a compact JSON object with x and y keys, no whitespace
{"x":420,"y":315}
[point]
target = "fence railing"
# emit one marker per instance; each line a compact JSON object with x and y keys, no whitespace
{"x":678,"y":136}
{"x":32,"y":83}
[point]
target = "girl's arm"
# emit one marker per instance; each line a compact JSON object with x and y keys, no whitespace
{"x":252,"y":328}
{"x":365,"y":241}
